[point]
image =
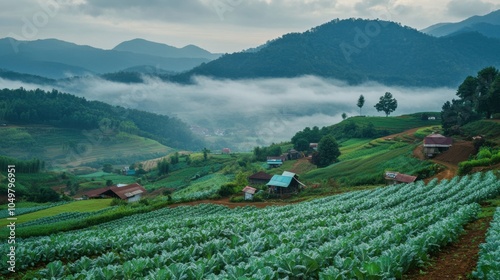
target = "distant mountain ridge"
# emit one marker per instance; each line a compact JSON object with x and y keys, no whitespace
{"x":163,"y":50}
{"x":357,"y":51}
{"x":57,"y":59}
{"x":488,"y":25}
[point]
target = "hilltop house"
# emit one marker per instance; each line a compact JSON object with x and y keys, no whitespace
{"x":398,"y":178}
{"x":284,"y":184}
{"x":436,"y":143}
{"x":130,"y":193}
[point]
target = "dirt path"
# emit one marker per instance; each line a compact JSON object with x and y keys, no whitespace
{"x":450,"y":171}
{"x":410,"y":133}
{"x":457,"y":260}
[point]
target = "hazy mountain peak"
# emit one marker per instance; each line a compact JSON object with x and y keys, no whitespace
{"x":143,"y":46}
{"x":488,"y":25}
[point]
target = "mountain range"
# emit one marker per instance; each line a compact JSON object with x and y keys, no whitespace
{"x":488,"y":25}
{"x":351,"y":50}
{"x":357,"y":51}
{"x":57,"y":59}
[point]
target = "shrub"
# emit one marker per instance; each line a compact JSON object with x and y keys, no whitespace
{"x":484,"y":152}
{"x":227,"y":189}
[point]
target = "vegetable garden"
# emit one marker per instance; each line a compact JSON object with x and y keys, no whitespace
{"x":373,"y":234}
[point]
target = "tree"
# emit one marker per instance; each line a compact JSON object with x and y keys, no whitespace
{"x":328,"y":151}
{"x":109,"y":183}
{"x":344,"y":116}
{"x":163,"y":166}
{"x":108,"y":168}
{"x":387,"y":103}
{"x":205,"y":153}
{"x":301,"y":145}
{"x":361,"y":103}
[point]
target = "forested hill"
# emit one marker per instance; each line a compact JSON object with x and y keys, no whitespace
{"x":357,"y":50}
{"x":64,"y":110}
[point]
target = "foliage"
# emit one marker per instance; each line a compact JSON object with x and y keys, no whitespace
{"x":374,"y":234}
{"x":163,"y":167}
{"x":261,"y":153}
{"x":488,"y":265}
{"x":22,"y":166}
{"x":22,"y":106}
{"x":356,"y":51}
{"x":328,"y":152}
{"x":361,"y":103}
{"x":484,"y":158}
{"x":387,"y":103}
{"x":479,"y":97}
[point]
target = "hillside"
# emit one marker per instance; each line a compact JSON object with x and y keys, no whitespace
{"x":57,"y":59}
{"x":357,"y":51}
{"x":23,"y":107}
{"x":488,"y":25}
{"x":67,"y":149}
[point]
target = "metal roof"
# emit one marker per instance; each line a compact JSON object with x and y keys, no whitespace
{"x":250,"y":190}
{"x":280,"y":181}
{"x":288,"y":174}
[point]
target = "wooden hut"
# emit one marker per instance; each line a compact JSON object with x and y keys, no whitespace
{"x":436,"y":143}
{"x":284,"y":184}
{"x":249,"y":192}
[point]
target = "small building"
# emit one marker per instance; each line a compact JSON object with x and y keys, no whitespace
{"x":284,"y":184}
{"x":259,"y":178}
{"x":130,"y":193}
{"x":249,"y":192}
{"x":293,"y":154}
{"x":398,"y":178}
{"x":226,"y":151}
{"x":436,"y":143}
{"x":127,"y":171}
{"x":275,"y":161}
{"x":313,"y":146}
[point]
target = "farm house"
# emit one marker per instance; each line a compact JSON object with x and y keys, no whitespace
{"x":259,"y":178}
{"x":249,"y":192}
{"x":284,"y":184}
{"x":130,"y":193}
{"x":436,"y":143}
{"x":398,"y":178}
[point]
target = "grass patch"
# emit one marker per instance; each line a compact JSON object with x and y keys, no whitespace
{"x":77,"y":206}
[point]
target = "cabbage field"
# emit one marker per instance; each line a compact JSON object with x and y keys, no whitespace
{"x":373,"y":234}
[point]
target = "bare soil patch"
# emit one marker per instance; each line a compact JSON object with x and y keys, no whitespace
{"x":460,"y":151}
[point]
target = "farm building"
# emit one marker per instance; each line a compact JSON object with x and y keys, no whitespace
{"x":226,"y":151}
{"x":130,"y":193}
{"x":398,"y":178}
{"x":275,"y":161}
{"x":259,"y":178}
{"x":249,"y":192}
{"x":293,"y":154}
{"x":284,"y":184}
{"x":436,"y":143}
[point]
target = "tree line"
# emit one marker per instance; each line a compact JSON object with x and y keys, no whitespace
{"x":478,"y":98}
{"x":22,"y":166}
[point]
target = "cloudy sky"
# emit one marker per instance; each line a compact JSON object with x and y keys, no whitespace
{"x":216,"y":25}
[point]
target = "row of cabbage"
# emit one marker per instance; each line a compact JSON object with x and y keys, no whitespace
{"x":374,"y":234}
{"x":66,"y":216}
{"x":4,"y":213}
{"x":488,"y":266}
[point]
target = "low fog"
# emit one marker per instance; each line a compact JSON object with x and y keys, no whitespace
{"x":245,"y":113}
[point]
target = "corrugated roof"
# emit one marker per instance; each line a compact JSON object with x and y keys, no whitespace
{"x":280,"y":181}
{"x":122,"y":192}
{"x":249,"y":190}
{"x":437,"y":140}
{"x":288,"y":174}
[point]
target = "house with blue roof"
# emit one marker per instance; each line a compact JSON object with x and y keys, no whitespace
{"x":285,"y":184}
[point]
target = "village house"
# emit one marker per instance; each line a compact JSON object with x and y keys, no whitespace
{"x":284,"y":184}
{"x":398,"y":178}
{"x":436,"y":143}
{"x":226,"y":151}
{"x":130,"y":193}
{"x":249,"y":192}
{"x":259,"y":178}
